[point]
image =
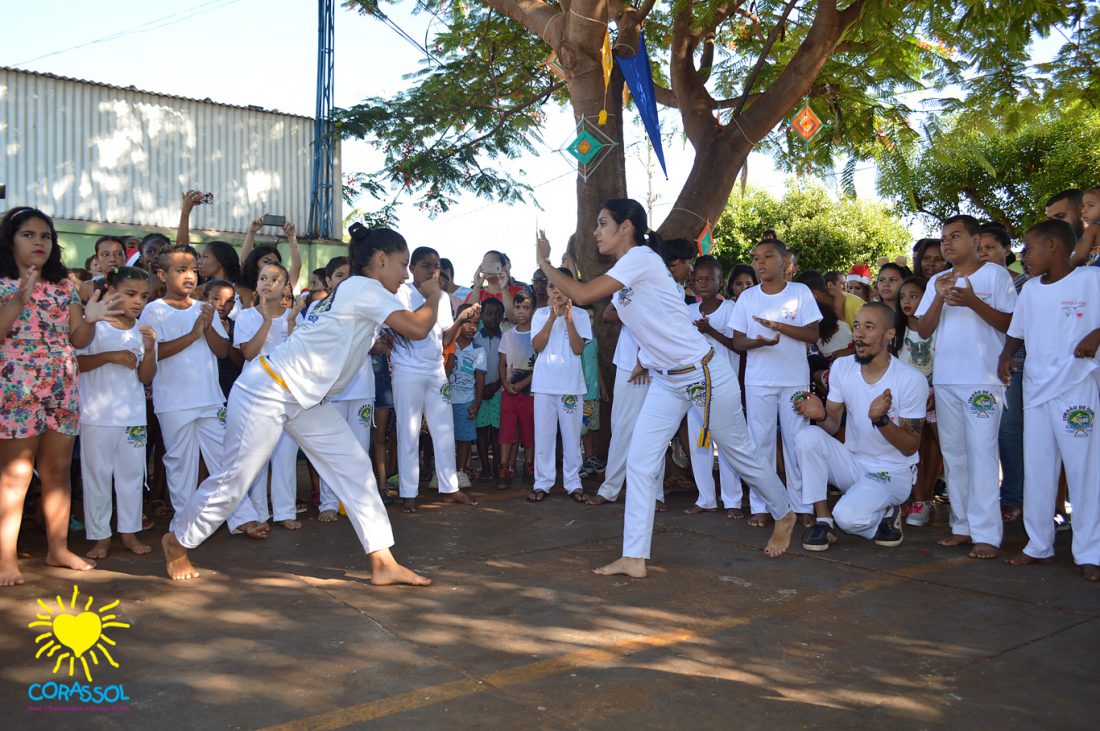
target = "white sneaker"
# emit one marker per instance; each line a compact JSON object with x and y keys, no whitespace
{"x":434,"y":482}
{"x":463,"y":480}
{"x":920,"y":513}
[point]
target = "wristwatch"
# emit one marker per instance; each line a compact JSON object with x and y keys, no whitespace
{"x":881,"y":421}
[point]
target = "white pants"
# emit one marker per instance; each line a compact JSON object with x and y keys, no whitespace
{"x":1063,"y":427}
{"x":359,"y":414}
{"x":702,"y":467}
{"x":868,"y":490}
{"x":763,"y":406}
{"x":187,"y":434}
{"x":283,"y":469}
{"x":970,"y":419}
{"x":259,"y":411}
{"x":669,"y":398}
{"x":424,"y":397}
{"x":552,"y":412}
{"x":106,"y":452}
{"x":625,"y":407}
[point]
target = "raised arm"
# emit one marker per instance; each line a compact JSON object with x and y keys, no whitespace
{"x":82,"y":320}
{"x":250,"y":238}
{"x":539,"y":339}
{"x":295,"y":267}
{"x":183,"y":232}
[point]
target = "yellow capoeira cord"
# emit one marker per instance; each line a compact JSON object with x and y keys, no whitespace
{"x":704,"y":433}
{"x":279,"y":379}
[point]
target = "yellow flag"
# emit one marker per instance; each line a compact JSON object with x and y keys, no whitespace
{"x":607,"y":58}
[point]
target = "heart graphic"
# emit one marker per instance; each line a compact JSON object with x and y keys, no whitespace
{"x":78,"y":632}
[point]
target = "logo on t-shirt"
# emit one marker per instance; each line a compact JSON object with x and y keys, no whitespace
{"x":569,"y":403}
{"x":1079,"y":420}
{"x":625,"y":294}
{"x":1074,"y":310}
{"x":136,"y":435}
{"x":789,"y":313}
{"x":982,"y":404}
{"x":365,"y":414}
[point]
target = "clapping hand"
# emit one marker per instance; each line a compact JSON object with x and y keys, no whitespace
{"x":100,"y":308}
{"x":880,"y":406}
{"x":542,"y":247}
{"x":960,"y":296}
{"x":810,"y":407}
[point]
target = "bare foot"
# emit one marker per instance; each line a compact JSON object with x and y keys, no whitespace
{"x":807,"y":520}
{"x":759,"y":520}
{"x":328,"y":516}
{"x":735,"y":514}
{"x":1022,"y":559}
{"x":66,"y":559}
{"x":252,"y":529}
{"x":597,"y":500}
{"x":9,"y":574}
{"x":385,"y":571}
{"x":1090,"y":571}
{"x":781,"y":536}
{"x":290,"y":524}
{"x":176,"y":561}
{"x":408,"y":505}
{"x":633,"y":567}
{"x":660,"y":509}
{"x":983,"y":550}
{"x":459,"y":497}
{"x":99,"y":549}
{"x":133,"y":545}
{"x":695,"y":510}
{"x":954,"y":540}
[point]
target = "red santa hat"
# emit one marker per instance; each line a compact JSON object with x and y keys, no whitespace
{"x":860,"y":273}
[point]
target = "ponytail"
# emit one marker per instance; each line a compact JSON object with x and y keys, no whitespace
{"x":366,"y":242}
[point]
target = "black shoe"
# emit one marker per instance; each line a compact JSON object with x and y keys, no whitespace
{"x":819,"y":537}
{"x":889,"y":530}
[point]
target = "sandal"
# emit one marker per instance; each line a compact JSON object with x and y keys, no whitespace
{"x":536,"y":496}
{"x":161,"y":509}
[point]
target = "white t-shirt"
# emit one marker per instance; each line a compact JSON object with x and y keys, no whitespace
{"x":720,"y":320}
{"x":557,"y":368}
{"x":626,"y":350}
{"x":967,"y":347}
{"x":322,"y":357}
{"x":112,"y":395}
{"x":909,"y":392}
{"x":918,"y":352}
{"x":519,"y":354}
{"x":361,"y":386}
{"x":652,"y":305}
{"x":249,"y":323}
{"x":1052,"y":319}
{"x":426,"y":354}
{"x":840,"y":340}
{"x":188,"y":379}
{"x":468,"y":361}
{"x":782,"y":364}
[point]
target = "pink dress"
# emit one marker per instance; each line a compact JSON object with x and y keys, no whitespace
{"x":38,"y":371}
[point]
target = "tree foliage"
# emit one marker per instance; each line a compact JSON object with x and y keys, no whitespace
{"x":995,"y":171}
{"x":734,"y":69}
{"x":825,"y":233}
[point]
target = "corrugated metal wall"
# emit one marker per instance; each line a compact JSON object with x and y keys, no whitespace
{"x":91,"y":152}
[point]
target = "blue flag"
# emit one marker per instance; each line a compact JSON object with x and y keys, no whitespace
{"x":639,"y":78}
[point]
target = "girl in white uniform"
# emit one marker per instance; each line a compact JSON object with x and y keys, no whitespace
{"x":686,"y":375}
{"x":420,"y":390}
{"x":560,"y":331}
{"x":286,"y":390}
{"x":113,"y":367}
{"x":258,"y":331}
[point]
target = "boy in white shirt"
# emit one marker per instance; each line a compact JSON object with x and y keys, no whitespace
{"x":773,"y":323}
{"x":560,"y":331}
{"x":187,"y":397}
{"x":712,"y":318}
{"x":1058,"y":319}
{"x":466,"y":374}
{"x":969,"y":307}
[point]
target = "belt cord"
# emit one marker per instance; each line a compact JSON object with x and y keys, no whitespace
{"x":704,"y":432}
{"x":271,"y":372}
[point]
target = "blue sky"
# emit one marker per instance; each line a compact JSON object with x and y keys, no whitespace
{"x":263,"y":52}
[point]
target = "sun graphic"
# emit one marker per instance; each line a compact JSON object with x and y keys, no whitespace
{"x":79,"y":635}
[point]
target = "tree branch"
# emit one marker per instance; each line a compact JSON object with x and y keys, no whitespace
{"x":763,"y":58}
{"x":534,"y":15}
{"x":508,"y":114}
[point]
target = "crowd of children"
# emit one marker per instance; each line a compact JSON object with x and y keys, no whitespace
{"x":990,"y":367}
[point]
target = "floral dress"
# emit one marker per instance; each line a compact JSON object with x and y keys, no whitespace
{"x":38,"y":371}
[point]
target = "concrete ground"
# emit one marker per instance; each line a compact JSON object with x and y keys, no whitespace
{"x":516,"y":632}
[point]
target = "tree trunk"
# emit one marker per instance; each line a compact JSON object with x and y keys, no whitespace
{"x":718,"y":162}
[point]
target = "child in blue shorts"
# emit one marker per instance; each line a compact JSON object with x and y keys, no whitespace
{"x":466,"y":377}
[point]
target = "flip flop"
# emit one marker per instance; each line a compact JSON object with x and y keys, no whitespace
{"x":536,"y":496}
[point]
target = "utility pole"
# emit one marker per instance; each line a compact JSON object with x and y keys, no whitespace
{"x":322,"y":201}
